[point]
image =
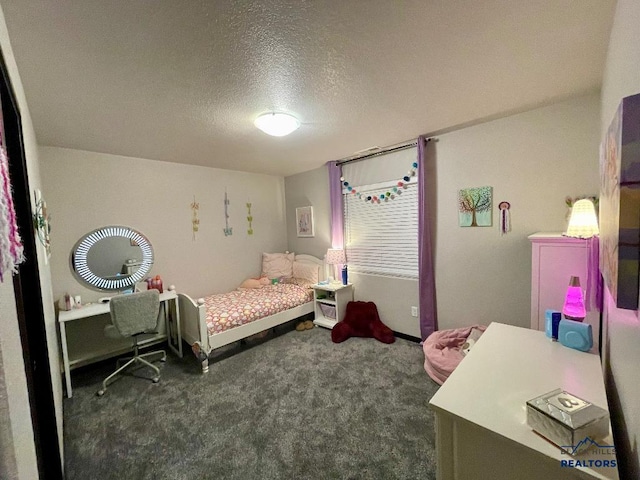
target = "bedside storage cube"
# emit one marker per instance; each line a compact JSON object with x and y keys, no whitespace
{"x":331,"y":303}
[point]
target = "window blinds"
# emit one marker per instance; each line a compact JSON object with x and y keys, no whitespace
{"x":382,"y":239}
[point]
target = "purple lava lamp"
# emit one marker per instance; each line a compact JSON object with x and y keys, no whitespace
{"x":573,"y":308}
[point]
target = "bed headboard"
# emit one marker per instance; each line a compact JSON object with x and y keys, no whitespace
{"x":322,"y":270}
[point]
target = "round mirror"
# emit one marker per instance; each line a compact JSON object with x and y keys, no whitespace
{"x":112,"y":258}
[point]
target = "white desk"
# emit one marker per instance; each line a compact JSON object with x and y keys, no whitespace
{"x":481,"y":427}
{"x":172,"y":333}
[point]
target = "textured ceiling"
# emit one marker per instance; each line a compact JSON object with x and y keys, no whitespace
{"x":183,"y":80}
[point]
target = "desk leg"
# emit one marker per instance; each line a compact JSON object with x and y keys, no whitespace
{"x":174,"y":334}
{"x":178,"y":327}
{"x":65,"y":358}
{"x":445,"y":447}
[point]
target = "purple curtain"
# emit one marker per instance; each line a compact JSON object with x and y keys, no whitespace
{"x":426,"y":273}
{"x":335,"y":196}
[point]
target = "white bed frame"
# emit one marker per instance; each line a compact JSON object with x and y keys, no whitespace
{"x":194,"y":321}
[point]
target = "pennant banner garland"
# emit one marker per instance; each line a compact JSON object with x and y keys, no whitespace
{"x":387,"y":195}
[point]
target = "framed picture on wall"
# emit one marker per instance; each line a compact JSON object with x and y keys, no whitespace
{"x":620,"y":204}
{"x":304,"y":221}
{"x":475,"y":207}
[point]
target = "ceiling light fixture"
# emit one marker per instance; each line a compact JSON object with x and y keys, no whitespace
{"x":277,"y":124}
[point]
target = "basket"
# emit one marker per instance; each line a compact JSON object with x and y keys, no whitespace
{"x":329,"y":311}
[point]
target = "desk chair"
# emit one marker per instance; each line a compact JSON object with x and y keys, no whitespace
{"x":133,"y":315}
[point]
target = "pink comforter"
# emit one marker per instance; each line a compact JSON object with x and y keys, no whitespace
{"x":232,"y":309}
{"x":442,"y":352}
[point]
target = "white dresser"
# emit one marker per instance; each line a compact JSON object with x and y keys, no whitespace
{"x":481,"y":428}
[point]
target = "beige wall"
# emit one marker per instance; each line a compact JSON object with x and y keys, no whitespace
{"x":309,"y":189}
{"x":533,"y":160}
{"x":11,"y":350}
{"x":86,"y":190}
{"x":621,"y":352}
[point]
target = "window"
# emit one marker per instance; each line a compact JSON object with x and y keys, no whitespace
{"x":382,"y":239}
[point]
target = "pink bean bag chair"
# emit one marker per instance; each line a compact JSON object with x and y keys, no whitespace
{"x":445,"y":349}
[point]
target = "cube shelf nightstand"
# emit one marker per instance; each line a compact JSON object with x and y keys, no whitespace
{"x":330,"y":303}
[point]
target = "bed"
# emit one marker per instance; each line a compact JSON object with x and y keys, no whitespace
{"x":220,"y":319}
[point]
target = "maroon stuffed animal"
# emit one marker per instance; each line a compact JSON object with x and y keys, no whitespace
{"x":361,"y":320}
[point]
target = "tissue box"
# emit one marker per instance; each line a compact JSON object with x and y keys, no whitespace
{"x":567,"y":420}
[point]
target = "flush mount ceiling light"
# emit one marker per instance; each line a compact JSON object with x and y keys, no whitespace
{"x":277,"y":124}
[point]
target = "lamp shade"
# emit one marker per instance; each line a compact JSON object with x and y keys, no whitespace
{"x":583,"y":222}
{"x":573,"y":308}
{"x":277,"y":124}
{"x":336,"y":256}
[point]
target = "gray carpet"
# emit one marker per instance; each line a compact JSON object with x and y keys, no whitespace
{"x":292,"y":406}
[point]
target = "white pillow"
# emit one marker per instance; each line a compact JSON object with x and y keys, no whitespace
{"x":275,"y":265}
{"x":306,"y":271}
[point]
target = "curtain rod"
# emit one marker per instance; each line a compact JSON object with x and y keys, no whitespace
{"x":384,"y":150}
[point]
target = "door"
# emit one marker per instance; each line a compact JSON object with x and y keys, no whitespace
{"x":28,"y":295}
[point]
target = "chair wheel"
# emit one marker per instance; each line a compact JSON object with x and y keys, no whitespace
{"x":156,"y":379}
{"x":100,"y":393}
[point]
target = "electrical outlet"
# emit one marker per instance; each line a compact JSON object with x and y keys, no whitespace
{"x":414,"y":311}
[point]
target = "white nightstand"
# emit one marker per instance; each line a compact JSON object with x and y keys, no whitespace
{"x":330,"y":303}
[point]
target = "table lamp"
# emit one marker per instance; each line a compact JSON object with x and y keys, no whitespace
{"x":574,"y":308}
{"x":583,"y":222}
{"x":335,"y":256}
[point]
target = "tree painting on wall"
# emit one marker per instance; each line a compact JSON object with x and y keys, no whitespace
{"x":620,"y":204}
{"x":474,"y":207}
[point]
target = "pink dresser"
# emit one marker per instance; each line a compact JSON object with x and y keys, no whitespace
{"x":554,"y":260}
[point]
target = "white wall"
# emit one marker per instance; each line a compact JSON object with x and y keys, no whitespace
{"x":309,"y":189}
{"x":533,"y":160}
{"x":621,"y":332}
{"x":86,"y":190}
{"x":10,"y":346}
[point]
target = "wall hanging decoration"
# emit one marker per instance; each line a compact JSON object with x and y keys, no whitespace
{"x":42,"y":224}
{"x":227,"y":229}
{"x":11,"y":249}
{"x":505,"y":219}
{"x":304,"y":221}
{"x":620,"y":204}
{"x":249,"y":219}
{"x":195,"y":222}
{"x":474,"y":207}
{"x":387,"y":195}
